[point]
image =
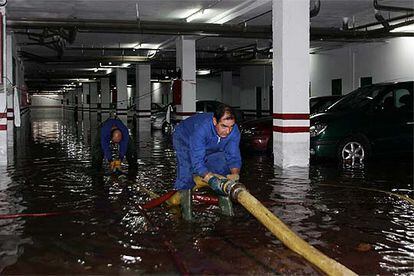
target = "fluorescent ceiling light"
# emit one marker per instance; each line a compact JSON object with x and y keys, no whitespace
{"x":404,"y":29}
{"x":203,"y":72}
{"x":197,"y":15}
{"x":237,"y":11}
{"x":123,"y":65}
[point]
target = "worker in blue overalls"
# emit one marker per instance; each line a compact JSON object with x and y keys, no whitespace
{"x":113,"y":145}
{"x":206,"y":145}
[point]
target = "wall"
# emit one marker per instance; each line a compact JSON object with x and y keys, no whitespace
{"x":250,"y":78}
{"x":392,"y":60}
{"x":46,"y":101}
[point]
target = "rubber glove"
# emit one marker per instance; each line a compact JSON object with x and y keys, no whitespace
{"x":115,"y":165}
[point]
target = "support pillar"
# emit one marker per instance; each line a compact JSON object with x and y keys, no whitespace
{"x":122,"y":95}
{"x":227,"y":87}
{"x":3,"y":90}
{"x":291,"y":83}
{"x":79,"y":103}
{"x":105,"y":98}
{"x":86,"y":100}
{"x":93,"y":92}
{"x":143,"y":96}
{"x":186,"y":62}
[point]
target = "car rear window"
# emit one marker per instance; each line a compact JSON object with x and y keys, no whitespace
{"x":357,"y":99}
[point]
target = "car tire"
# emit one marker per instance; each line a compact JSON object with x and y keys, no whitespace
{"x":166,"y":128}
{"x":354,"y":151}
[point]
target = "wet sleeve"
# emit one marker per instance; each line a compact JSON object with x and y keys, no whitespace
{"x":198,"y":150}
{"x":232,"y":150}
{"x":105,"y":139}
{"x":123,"y":145}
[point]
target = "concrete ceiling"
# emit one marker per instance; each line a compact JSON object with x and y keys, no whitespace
{"x":87,"y":45}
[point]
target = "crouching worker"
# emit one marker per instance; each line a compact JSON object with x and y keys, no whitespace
{"x":207,"y":146}
{"x":112,"y":145}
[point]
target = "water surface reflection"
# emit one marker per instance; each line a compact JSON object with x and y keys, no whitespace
{"x":102,"y":230}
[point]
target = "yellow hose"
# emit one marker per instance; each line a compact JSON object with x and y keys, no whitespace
{"x":289,"y":238}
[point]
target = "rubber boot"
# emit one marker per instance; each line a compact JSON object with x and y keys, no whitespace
{"x":226,"y":206}
{"x":186,"y":208}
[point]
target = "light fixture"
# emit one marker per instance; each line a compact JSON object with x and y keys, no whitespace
{"x":198,"y":14}
{"x":123,"y":65}
{"x":404,"y":29}
{"x":203,"y":72}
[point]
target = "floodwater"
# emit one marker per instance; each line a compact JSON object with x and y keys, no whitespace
{"x":99,"y":227}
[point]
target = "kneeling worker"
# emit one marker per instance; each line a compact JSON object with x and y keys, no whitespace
{"x":114,"y":144}
{"x":206,"y":145}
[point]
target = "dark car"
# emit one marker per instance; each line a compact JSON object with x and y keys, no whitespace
{"x":370,"y":121}
{"x":320,"y":104}
{"x":257,"y":134}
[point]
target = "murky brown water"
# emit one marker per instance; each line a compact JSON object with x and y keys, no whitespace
{"x":340,"y":212}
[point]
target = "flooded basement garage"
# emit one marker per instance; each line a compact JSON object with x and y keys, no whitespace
{"x":59,"y":216}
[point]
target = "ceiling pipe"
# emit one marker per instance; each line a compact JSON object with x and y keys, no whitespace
{"x":146,"y":27}
{"x":390,"y":20}
{"x":382,"y":20}
{"x":315,"y":10}
{"x":391,"y":8}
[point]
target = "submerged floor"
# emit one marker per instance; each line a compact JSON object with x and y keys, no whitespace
{"x":101,"y":229}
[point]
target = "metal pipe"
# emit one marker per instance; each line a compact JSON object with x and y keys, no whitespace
{"x":391,"y":8}
{"x":145,"y":27}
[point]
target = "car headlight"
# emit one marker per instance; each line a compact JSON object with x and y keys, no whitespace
{"x":317,"y":129}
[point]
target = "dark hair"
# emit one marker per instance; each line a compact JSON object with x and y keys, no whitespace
{"x":221,"y":110}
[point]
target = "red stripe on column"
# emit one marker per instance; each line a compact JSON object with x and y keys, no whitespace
{"x":291,"y":116}
{"x":3,"y":127}
{"x":290,"y":129}
{"x":10,"y":110}
{"x":185,"y":113}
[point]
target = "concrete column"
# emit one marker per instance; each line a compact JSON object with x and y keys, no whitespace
{"x":86,"y":99}
{"x":291,"y":83}
{"x":93,"y":91}
{"x":122,"y":94}
{"x":143,"y":97}
{"x":10,"y":94}
{"x":186,"y":61}
{"x":79,"y":104}
{"x":105,"y":98}
{"x":3,"y":92}
{"x":227,"y":87}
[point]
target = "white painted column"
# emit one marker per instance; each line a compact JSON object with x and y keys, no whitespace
{"x":79,"y":104}
{"x":105,"y":98}
{"x":227,"y":87}
{"x":291,"y":83}
{"x":8,"y":70}
{"x":86,"y":99}
{"x":93,"y":92}
{"x":186,"y":61}
{"x":3,"y":90}
{"x":143,"y":91}
{"x":122,"y":95}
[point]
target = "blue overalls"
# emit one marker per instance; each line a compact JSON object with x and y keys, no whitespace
{"x":106,"y":138}
{"x":200,"y":150}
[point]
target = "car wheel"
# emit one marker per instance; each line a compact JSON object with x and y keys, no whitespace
{"x":354,"y":151}
{"x":166,"y":128}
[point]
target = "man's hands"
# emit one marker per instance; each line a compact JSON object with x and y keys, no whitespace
{"x":235,"y":177}
{"x":115,"y":165}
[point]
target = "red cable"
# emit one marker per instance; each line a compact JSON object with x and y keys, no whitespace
{"x":159,"y":200}
{"x":11,"y":216}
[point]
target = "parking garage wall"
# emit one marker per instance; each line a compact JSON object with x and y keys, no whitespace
{"x":256,"y":82}
{"x":392,"y":60}
{"x":209,"y":88}
{"x":46,"y":101}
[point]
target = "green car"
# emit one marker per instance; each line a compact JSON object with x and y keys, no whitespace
{"x":375,"y":120}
